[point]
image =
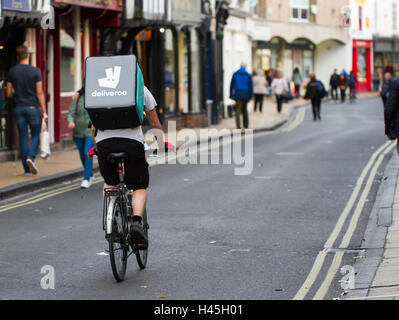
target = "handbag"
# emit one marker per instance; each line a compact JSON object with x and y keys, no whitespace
{"x":44,"y":141}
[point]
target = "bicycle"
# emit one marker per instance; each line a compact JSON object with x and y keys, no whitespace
{"x":117,"y":217}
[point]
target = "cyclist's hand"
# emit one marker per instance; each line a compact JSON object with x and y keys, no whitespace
{"x":169,"y":146}
{"x":92,"y":152}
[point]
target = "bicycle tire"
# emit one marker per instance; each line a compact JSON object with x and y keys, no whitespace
{"x":142,"y":255}
{"x":118,"y":249}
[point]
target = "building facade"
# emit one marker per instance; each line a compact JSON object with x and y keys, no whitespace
{"x":20,"y":24}
{"x":169,"y":40}
{"x":307,"y":34}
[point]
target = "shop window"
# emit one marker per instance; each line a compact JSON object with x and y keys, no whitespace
{"x":362,"y":65}
{"x":67,"y":56}
{"x":195,"y":73}
{"x":183,"y":72}
{"x":170,"y":71}
{"x":299,"y":10}
{"x":307,"y":62}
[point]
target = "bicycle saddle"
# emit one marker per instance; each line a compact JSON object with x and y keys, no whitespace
{"x":115,"y":157}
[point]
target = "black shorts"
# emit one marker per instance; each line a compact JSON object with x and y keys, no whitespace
{"x":136,"y":167}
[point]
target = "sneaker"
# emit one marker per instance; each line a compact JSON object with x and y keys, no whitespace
{"x":32,"y":166}
{"x":91,"y":180}
{"x":28,"y":174}
{"x":137,"y":235}
{"x":85,"y":184}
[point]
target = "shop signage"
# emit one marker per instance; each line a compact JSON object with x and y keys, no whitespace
{"x":155,"y":10}
{"x":17,"y":5}
{"x":187,"y":11}
{"x":115,"y":5}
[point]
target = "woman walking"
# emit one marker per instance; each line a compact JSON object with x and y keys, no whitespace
{"x":260,"y":89}
{"x":343,"y":84}
{"x":279,"y":87}
{"x":79,"y":121}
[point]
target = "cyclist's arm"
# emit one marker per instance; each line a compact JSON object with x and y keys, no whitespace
{"x":153,"y":119}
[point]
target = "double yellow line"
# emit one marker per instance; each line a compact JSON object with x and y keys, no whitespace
{"x":372,"y":165}
{"x":41,"y":197}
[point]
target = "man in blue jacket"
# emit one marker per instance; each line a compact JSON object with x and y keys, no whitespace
{"x":241,"y":90}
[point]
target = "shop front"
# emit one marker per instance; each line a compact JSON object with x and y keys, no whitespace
{"x":362,"y":64}
{"x":277,"y":54}
{"x":20,"y":25}
{"x":77,"y":36}
{"x":386,"y":55}
{"x":168,"y":39}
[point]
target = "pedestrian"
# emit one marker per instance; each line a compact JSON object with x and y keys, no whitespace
{"x":389,"y":68}
{"x":24,"y":85}
{"x":352,"y":83}
{"x":241,"y":91}
{"x":315,"y":91}
{"x":386,"y":87}
{"x":260,"y":89}
{"x":280,"y":90}
{"x":334,"y":83}
{"x":391,"y":112}
{"x":78,"y":120}
{"x":297,"y":79}
{"x":343,"y":84}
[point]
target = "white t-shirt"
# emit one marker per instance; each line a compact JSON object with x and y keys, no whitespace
{"x":131,"y":133}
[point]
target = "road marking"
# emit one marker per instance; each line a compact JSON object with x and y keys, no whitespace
{"x":42,"y":196}
{"x":299,"y":119}
{"x":314,"y":272}
{"x":322,"y":291}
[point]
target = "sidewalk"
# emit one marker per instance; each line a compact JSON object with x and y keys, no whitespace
{"x":377,"y":268}
{"x":66,"y":166}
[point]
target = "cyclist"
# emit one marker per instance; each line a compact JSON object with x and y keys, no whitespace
{"x":130,"y":141}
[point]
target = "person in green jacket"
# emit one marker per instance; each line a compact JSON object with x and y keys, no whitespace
{"x":78,"y":120}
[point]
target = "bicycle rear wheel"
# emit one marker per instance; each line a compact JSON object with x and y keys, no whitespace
{"x":142,"y":255}
{"x":118,"y":248}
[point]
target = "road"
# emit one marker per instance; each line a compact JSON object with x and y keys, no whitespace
{"x":214,"y":235}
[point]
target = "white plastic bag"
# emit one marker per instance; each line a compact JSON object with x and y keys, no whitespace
{"x":44,"y":141}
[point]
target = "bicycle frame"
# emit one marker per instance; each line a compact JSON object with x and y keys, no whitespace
{"x":110,"y":196}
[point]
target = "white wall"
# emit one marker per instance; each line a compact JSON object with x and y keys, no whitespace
{"x":332,"y":55}
{"x":237,"y":48}
{"x":368,"y":13}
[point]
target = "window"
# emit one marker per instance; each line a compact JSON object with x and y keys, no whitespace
{"x":395,"y":16}
{"x":195,"y":72}
{"x":67,"y":43}
{"x":170,"y":71}
{"x":299,"y":10}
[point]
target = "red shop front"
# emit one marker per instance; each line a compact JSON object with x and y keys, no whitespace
{"x":362,"y":64}
{"x":76,"y":36}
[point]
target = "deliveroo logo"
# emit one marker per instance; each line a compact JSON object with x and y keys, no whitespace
{"x":112,"y":78}
{"x":111,"y":81}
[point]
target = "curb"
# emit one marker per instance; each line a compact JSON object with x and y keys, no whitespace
{"x":50,"y":181}
{"x":377,"y":228}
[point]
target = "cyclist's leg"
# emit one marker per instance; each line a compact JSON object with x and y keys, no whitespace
{"x":139,"y":201}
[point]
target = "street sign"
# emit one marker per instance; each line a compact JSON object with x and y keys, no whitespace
{"x":16,"y":5}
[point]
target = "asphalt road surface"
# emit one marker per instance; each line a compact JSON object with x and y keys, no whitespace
{"x":214,"y":234}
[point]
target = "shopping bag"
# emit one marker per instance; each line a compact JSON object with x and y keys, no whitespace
{"x":44,"y":141}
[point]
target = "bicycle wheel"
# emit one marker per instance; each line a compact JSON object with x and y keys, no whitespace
{"x":118,"y":248}
{"x":142,"y":255}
